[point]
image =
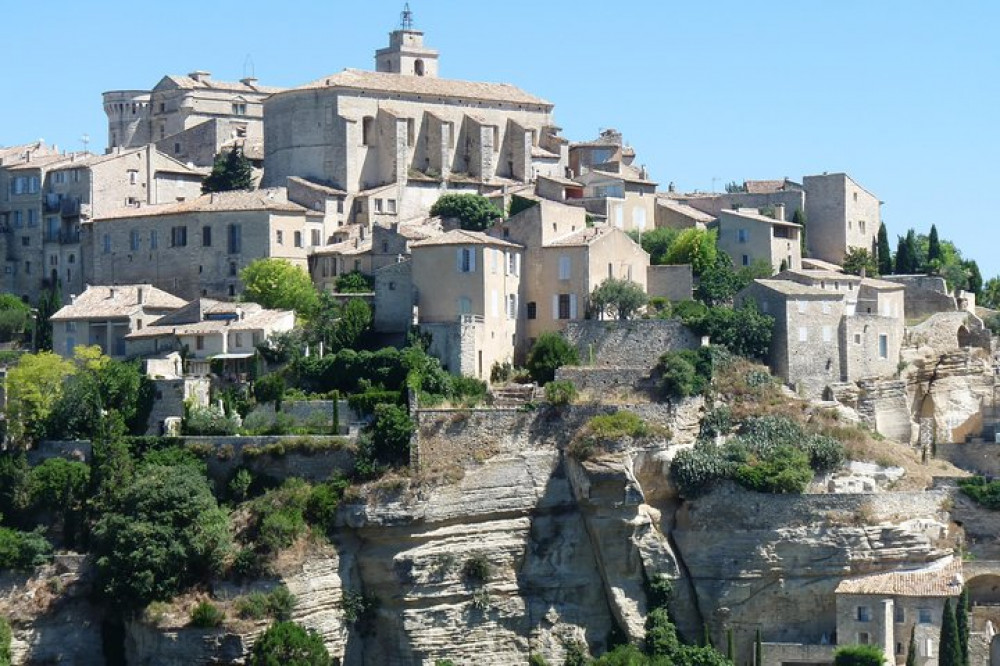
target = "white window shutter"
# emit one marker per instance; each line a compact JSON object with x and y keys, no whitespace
{"x":555,"y":306}
{"x":517,"y":264}
{"x":572,"y":306}
{"x":458,"y":263}
{"x":494,"y":304}
{"x":472,"y":259}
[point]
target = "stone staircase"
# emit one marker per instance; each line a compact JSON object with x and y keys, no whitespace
{"x":513,"y":395}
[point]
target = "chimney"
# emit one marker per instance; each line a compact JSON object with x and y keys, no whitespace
{"x":200,"y":75}
{"x":863,"y":271}
{"x":138,"y":295}
{"x":779,"y":212}
{"x":111,"y":292}
{"x":250,"y":81}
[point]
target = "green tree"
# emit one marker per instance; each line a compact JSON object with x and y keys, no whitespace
{"x":974,"y":277}
{"x":859,"y":655}
{"x":911,"y":650}
{"x":231,"y":171}
{"x":621,"y":299}
{"x":474,"y":211}
{"x":904,"y":259}
{"x":799,"y":218}
{"x":990,"y":295}
{"x":165,"y":534}
{"x":858,"y":259}
{"x":354,"y":282}
{"x":693,"y":246}
{"x":656,"y":242}
{"x":281,"y":285}
{"x":933,"y":246}
{"x":5,"y":639}
{"x":289,"y":644}
{"x":550,"y":352}
{"x":719,"y":284}
{"x":33,"y":388}
{"x":390,"y":434}
{"x":59,"y":486}
{"x":883,"y":252}
{"x":962,"y":624}
{"x":950,"y":652}
{"x":743,"y":331}
{"x":353,"y":326}
{"x":15,"y":318}
{"x":49,"y":301}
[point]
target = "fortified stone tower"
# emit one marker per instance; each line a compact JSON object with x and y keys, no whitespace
{"x":128,"y":118}
{"x":406,"y":53}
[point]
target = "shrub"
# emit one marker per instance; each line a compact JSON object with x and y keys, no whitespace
{"x":360,"y":610}
{"x":248,"y":565}
{"x":354,"y":282}
{"x":291,"y":644}
{"x":477,"y":570}
{"x":983,"y":492}
{"x":207,"y":615}
{"x":535,"y":659}
{"x":209,"y":421}
{"x":468,"y":390}
{"x":697,"y":469}
{"x":365,"y":403}
{"x":239,"y":485}
{"x":785,"y":470}
{"x":617,"y":425}
{"x":560,"y":393}
{"x":277,"y":604}
{"x":5,"y":639}
{"x":321,"y":506}
{"x":269,"y":388}
{"x":474,"y":211}
{"x":23,"y":550}
{"x":388,"y":442}
{"x":858,"y":655}
{"x":550,"y":352}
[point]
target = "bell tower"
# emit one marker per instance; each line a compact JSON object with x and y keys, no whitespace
{"x":406,"y":53}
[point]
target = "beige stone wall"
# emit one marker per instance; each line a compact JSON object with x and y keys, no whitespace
{"x":840,"y":215}
{"x":394,"y":298}
{"x":762,"y":242}
{"x":675,"y":283}
{"x":195,"y":269}
{"x":893,"y":635}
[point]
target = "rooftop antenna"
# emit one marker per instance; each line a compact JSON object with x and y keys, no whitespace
{"x":248,"y":64}
{"x":86,"y":141}
{"x":406,"y":18}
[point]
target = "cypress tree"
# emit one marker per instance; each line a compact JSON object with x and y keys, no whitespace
{"x":915,"y":265}
{"x":232,"y":171}
{"x":758,"y":650}
{"x":799,"y":217}
{"x":950,"y":649}
{"x":884,"y":252}
{"x":962,"y":622}
{"x":933,"y":246}
{"x":911,"y":652}
{"x":730,"y":645}
{"x":903,"y":259}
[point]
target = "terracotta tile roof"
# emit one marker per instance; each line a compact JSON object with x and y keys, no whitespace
{"x":273,"y":199}
{"x":568,"y":182}
{"x":119,"y":301}
{"x":763,"y":186}
{"x":816,"y":275}
{"x":319,"y":187}
{"x":253,"y":318}
{"x":584,"y":236}
{"x":790,"y":288}
{"x":819,"y":264}
{"x":687,"y":211}
{"x":463,"y":237}
{"x":187,"y":83}
{"x":356,"y":79}
{"x":759,"y":218}
{"x":625,"y":173}
{"x":48,"y":161}
{"x":941,"y":579}
{"x":881,"y":285}
{"x":347,"y":247}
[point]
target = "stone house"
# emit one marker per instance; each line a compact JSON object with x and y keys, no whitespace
{"x":622,"y":196}
{"x":105,"y":315}
{"x":564,"y":261}
{"x":43,"y":203}
{"x":191,"y":118}
{"x":397,"y":136}
{"x":841,"y":215}
{"x":882,"y":609}
{"x":830,"y":327}
{"x":756,"y":194}
{"x":672,"y":214}
{"x":747,"y":237}
{"x":467,"y":288}
{"x":210,"y":330}
{"x":197,"y":248}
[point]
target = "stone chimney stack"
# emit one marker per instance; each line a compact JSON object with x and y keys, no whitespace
{"x":200,"y":75}
{"x":779,"y":212}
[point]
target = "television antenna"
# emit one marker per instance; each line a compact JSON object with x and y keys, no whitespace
{"x":406,"y":18}
{"x":86,"y":141}
{"x":248,"y":64}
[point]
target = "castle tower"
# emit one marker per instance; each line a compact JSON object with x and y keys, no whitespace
{"x":406,"y":53}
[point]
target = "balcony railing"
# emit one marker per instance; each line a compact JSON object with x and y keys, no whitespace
{"x":62,"y":237}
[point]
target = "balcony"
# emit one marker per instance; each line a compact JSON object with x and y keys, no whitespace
{"x":67,"y":237}
{"x":70,"y":208}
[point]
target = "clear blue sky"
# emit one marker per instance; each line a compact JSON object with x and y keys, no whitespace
{"x":902,"y":95}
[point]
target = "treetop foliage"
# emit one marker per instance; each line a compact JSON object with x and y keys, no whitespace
{"x":231,"y":171}
{"x":620,"y":299}
{"x":280,"y":285}
{"x":474,"y":211}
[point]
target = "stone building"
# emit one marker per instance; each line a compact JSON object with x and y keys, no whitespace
{"x":105,"y":315}
{"x":197,"y":248}
{"x":757,"y":194}
{"x":749,"y":237}
{"x":210,"y":330}
{"x":393,"y":139}
{"x":830,"y":327}
{"x":564,"y":261}
{"x":672,"y":214}
{"x":841,"y":215}
{"x":44,"y":201}
{"x":467,"y":288}
{"x":191,"y":118}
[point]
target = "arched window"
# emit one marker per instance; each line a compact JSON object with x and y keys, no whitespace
{"x":418,"y":67}
{"x":367,"y":128}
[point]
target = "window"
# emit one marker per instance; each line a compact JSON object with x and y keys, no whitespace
{"x":232,"y":269}
{"x":199,"y":342}
{"x":239,"y":108}
{"x":133,"y":177}
{"x":466,"y":260}
{"x":390,"y":205}
{"x":316,"y":238}
{"x":410,"y":131}
{"x":864,"y":614}
{"x":864,"y":638}
{"x":235,"y":238}
{"x":367,"y":130}
{"x":742,"y":235}
{"x":138,"y":324}
{"x":27,"y":267}
{"x":857,"y":338}
{"x":107,"y":243}
{"x":59,"y":177}
{"x":512,"y":263}
{"x":899,"y":648}
{"x":279,"y":237}
{"x":803,"y":334}
{"x":883,"y":346}
{"x":464,"y":305}
{"x":565,"y":267}
{"x":298,"y":239}
{"x":238,"y":339}
{"x":898,"y":614}
{"x":512,"y":306}
{"x":32,"y":217}
{"x":924,"y":616}
{"x":746,"y":259}
{"x":178,"y":236}
{"x":25,"y":241}
{"x":531,"y":310}
{"x":153,"y":240}
{"x":861,"y":226}
{"x":134,"y":240}
{"x":72,"y":258}
{"x":564,"y":306}
{"x":177,"y":148}
{"x":801,"y":305}
{"x":826,"y":307}
{"x":827,"y":334}
{"x":18,"y":222}
{"x":378,"y":205}
{"x":206,"y":236}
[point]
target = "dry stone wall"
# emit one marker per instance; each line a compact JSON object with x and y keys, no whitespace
{"x":636,"y":343}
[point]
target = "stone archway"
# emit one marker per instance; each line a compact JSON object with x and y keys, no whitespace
{"x":984,"y":590}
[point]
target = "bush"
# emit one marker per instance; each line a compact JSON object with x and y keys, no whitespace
{"x":270,"y":388}
{"x":280,"y":515}
{"x":477,"y":570}
{"x":535,"y":659}
{"x":983,"y":492}
{"x":785,"y":470}
{"x":474,"y":211}
{"x":550,"y":352}
{"x":5,"y":638}
{"x":354,"y":282}
{"x":389,"y":443}
{"x":617,"y":425}
{"x":209,"y":421}
{"x":23,"y":550}
{"x":289,"y":644}
{"x":277,"y":604}
{"x":207,"y":615}
{"x":685,"y":372}
{"x":365,"y":403}
{"x":858,"y":655}
{"x":560,"y":393}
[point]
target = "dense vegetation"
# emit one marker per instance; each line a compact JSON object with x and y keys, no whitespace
{"x":474,"y":211}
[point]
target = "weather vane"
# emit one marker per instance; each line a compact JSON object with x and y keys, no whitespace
{"x":406,"y":18}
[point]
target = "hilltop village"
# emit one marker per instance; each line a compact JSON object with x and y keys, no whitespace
{"x":384,"y":369}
